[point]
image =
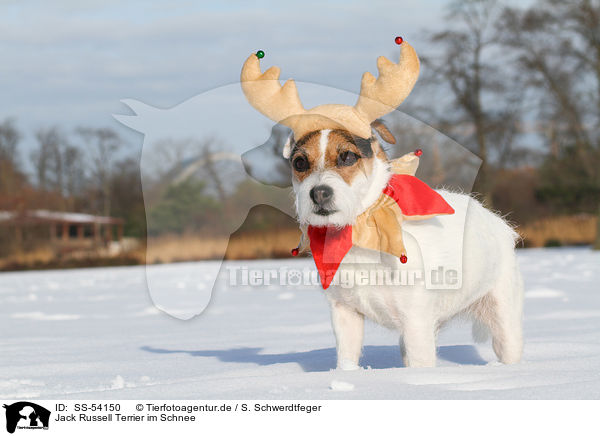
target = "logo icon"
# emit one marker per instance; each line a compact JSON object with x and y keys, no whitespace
{"x":26,"y":415}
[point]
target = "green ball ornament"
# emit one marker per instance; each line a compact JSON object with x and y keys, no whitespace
{"x":260,"y":54}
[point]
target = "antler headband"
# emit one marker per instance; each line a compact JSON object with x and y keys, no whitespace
{"x":377,"y":96}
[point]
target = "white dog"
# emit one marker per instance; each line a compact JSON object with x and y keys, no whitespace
{"x":336,"y":177}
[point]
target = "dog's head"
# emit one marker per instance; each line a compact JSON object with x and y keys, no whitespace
{"x":337,"y":175}
{"x":339,"y":168}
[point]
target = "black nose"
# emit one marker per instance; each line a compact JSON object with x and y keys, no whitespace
{"x":321,"y":194}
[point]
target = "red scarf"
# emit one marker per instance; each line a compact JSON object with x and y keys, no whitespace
{"x":330,"y":244}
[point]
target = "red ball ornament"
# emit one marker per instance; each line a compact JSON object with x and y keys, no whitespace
{"x":403,"y":258}
{"x":398,"y":40}
{"x":418,"y":152}
{"x":295,"y":252}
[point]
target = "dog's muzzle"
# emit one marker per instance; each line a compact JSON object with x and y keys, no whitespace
{"x":321,"y":196}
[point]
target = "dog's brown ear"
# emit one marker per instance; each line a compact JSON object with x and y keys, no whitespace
{"x":383,"y":131}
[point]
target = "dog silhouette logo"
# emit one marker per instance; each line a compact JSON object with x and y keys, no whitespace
{"x":26,"y":415}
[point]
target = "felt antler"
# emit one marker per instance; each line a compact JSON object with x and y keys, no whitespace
{"x":377,"y":96}
{"x":265,"y":93}
{"x":384,"y":94}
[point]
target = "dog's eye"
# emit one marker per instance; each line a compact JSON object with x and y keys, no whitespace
{"x":347,"y":158}
{"x":300,"y":164}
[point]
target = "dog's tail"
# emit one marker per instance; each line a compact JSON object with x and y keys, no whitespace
{"x":480,"y":332}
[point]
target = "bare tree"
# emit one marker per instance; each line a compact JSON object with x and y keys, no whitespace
{"x":102,"y":144}
{"x":567,"y":77}
{"x":483,"y":110}
{"x":11,"y":176}
{"x":58,"y":165}
{"x":9,"y":139}
{"x":73,"y":173}
{"x":127,"y":200}
{"x":47,"y":159}
{"x":209,"y":164}
{"x":167,"y":155}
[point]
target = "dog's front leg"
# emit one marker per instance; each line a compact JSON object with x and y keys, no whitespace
{"x":348,"y":326}
{"x":418,"y":344}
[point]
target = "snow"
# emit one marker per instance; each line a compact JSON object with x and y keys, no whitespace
{"x":5,"y":215}
{"x":50,"y":215}
{"x":70,"y":216}
{"x":341,"y":386}
{"x":94,"y":334}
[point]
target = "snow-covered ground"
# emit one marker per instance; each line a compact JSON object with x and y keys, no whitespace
{"x":94,"y":334}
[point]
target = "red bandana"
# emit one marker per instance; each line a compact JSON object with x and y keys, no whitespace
{"x":329,"y":245}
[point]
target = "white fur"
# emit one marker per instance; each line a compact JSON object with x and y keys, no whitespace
{"x":323,"y":141}
{"x":491,"y":291}
{"x":369,"y":186}
{"x":345,"y":200}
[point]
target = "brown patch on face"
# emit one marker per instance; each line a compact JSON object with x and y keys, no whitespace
{"x":339,"y":142}
{"x":307,"y":148}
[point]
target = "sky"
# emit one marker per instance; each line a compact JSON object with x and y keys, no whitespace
{"x":70,"y":63}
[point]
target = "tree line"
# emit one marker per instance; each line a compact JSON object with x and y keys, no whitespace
{"x":88,"y":170}
{"x":520,"y":87}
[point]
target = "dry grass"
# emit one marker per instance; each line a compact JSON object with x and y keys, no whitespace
{"x":564,"y":230}
{"x":43,"y":254}
{"x":175,"y":248}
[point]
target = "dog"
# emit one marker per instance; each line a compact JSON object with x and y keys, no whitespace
{"x":336,"y":176}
